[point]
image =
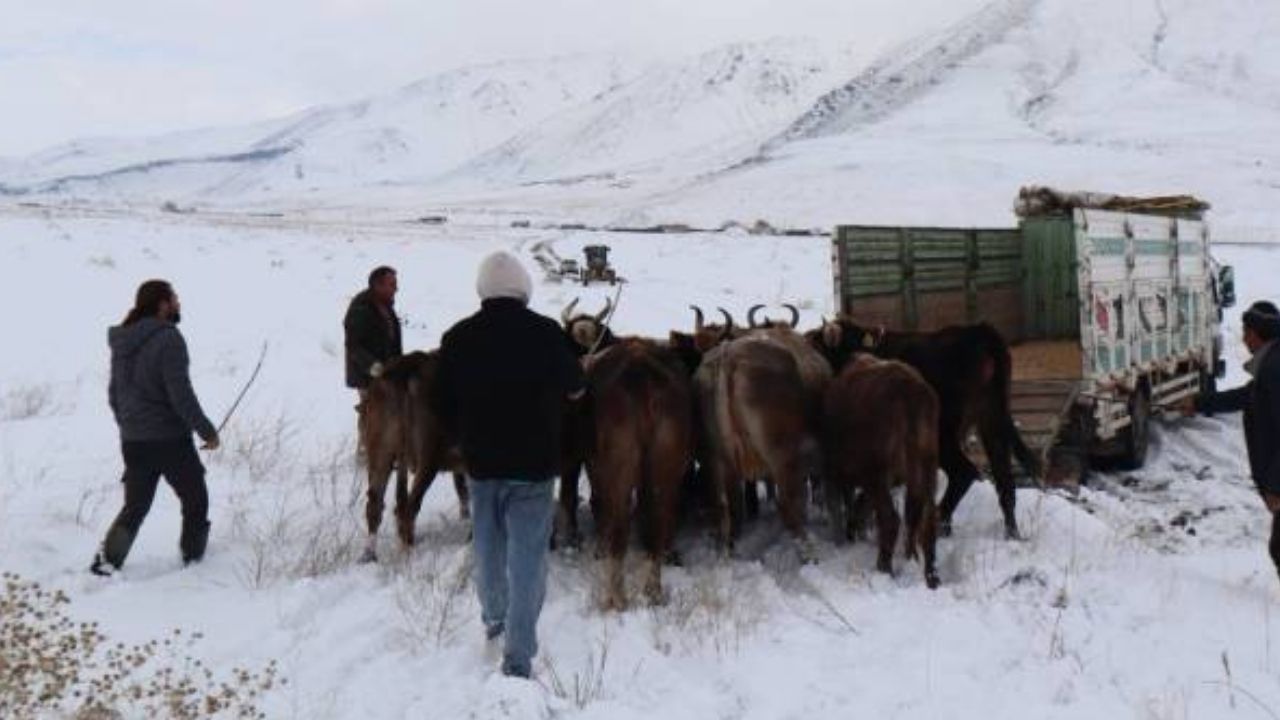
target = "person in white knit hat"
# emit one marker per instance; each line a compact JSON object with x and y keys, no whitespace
{"x":504,"y":376}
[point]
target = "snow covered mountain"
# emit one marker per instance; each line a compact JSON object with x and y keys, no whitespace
{"x":939,"y":125}
{"x":420,"y":131}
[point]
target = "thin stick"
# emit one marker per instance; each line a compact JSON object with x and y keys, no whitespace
{"x":258,"y":368}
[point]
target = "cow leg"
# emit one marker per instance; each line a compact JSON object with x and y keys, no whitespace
{"x":718,"y":471}
{"x":927,"y":529}
{"x":566,"y":532}
{"x":912,"y":507}
{"x":791,"y":506}
{"x":406,"y":507}
{"x":838,"y":509}
{"x":751,"y":499}
{"x":961,"y":473}
{"x":996,"y":443}
{"x":615,"y":530}
{"x":379,"y":473}
{"x":859,"y":515}
{"x":464,"y":495}
{"x":887,"y":519}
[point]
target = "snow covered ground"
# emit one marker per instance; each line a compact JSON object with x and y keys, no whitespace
{"x":1149,"y":596}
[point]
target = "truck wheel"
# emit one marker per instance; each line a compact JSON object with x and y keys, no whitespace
{"x":1134,"y":439}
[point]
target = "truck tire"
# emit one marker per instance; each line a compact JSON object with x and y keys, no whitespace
{"x":1134,"y":439}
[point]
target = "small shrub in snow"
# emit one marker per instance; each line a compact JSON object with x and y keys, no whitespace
{"x":433,"y":596}
{"x":261,"y":447}
{"x":310,"y":529}
{"x":29,"y":401}
{"x":586,"y":686}
{"x":716,"y":612}
{"x":53,"y":666}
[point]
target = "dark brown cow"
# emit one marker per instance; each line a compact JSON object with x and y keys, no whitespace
{"x":402,"y":433}
{"x":881,"y":430}
{"x":584,"y":334}
{"x":640,"y":408}
{"x":970,"y":369}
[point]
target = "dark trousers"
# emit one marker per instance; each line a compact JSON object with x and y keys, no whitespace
{"x":144,"y":464}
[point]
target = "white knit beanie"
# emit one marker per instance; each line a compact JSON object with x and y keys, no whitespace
{"x":502,"y":276}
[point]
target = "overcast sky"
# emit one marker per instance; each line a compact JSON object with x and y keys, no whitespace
{"x":85,"y":68}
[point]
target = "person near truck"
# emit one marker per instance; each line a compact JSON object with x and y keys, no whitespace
{"x":1259,"y":400}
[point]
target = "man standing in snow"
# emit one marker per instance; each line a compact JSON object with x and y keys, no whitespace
{"x":156,"y":409}
{"x":504,"y":375}
{"x":1259,"y":399}
{"x":372,"y":335}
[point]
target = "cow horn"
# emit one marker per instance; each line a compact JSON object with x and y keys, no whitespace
{"x":795,"y":315}
{"x":608,"y":305}
{"x":699,"y":321}
{"x":728,"y":323}
{"x":567,"y":314}
{"x":751,"y":316}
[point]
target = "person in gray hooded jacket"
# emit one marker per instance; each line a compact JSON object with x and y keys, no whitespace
{"x":156,"y":410}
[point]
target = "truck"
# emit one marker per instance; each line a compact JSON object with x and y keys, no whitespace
{"x":1112,"y":308}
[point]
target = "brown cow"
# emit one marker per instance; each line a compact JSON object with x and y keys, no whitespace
{"x":881,"y":430}
{"x":756,"y":423}
{"x":970,"y":369}
{"x":402,"y":433}
{"x":640,"y":407}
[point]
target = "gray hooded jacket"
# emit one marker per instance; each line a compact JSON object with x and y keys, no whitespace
{"x":150,"y":390}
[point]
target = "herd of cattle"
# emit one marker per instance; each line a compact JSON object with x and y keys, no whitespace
{"x":688,"y":425}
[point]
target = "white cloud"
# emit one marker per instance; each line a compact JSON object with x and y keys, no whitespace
{"x":74,"y":68}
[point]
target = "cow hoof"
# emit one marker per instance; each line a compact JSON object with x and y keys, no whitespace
{"x":1011,"y":532}
{"x":674,"y":559}
{"x":368,"y":556}
{"x":944,"y":528}
{"x":656,"y":596}
{"x":615,"y":603}
{"x":931,"y":580}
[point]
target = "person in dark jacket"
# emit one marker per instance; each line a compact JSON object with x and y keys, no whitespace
{"x":372,"y":332}
{"x":156,"y":410}
{"x":372,"y":329}
{"x":1259,"y":400}
{"x":504,"y":376}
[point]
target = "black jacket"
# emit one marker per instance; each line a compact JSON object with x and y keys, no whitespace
{"x":371,"y":337}
{"x":1260,"y":401}
{"x":504,"y":375}
{"x":150,"y":390}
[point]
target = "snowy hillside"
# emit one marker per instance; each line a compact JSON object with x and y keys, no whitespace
{"x":416,"y":133}
{"x":1136,"y":97}
{"x":1173,"y":96}
{"x":677,"y":119}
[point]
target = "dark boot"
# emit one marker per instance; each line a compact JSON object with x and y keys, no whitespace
{"x":194,"y":540}
{"x":115,"y":548}
{"x":101,"y":566}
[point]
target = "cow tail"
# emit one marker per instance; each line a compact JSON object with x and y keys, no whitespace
{"x":1002,"y":380}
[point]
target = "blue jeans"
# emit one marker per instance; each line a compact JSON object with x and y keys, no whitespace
{"x":511,"y":529}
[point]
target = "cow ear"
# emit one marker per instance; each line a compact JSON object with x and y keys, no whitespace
{"x":832,"y":334}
